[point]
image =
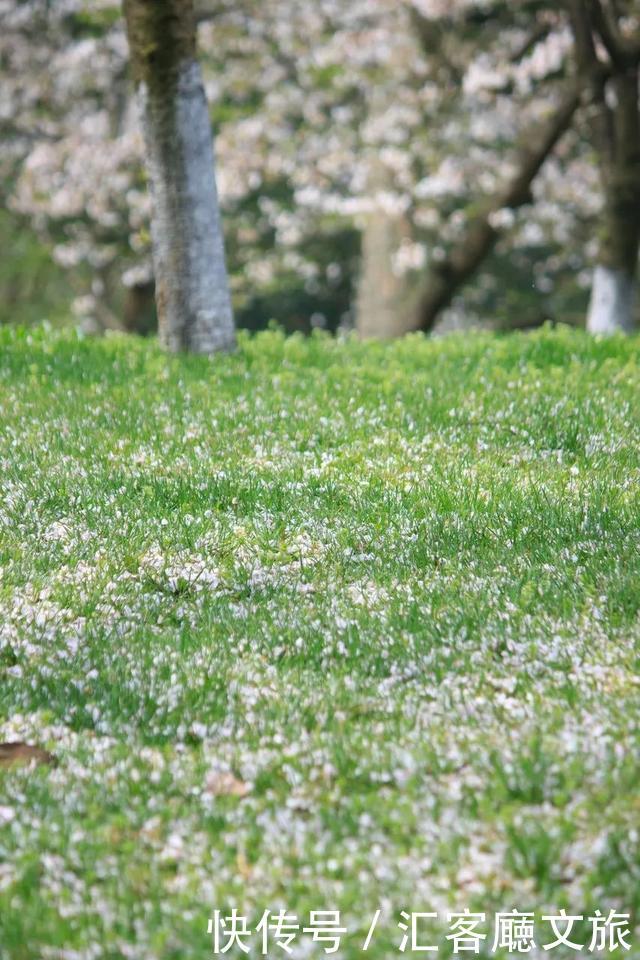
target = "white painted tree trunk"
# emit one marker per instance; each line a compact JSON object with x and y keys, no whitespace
{"x":192,"y":290}
{"x":611,"y":308}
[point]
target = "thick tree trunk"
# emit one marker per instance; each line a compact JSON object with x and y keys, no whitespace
{"x":387,"y":302}
{"x":192,"y":291}
{"x":385,"y":307}
{"x":446,"y":277}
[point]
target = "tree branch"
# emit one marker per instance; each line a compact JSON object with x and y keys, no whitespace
{"x":540,"y":33}
{"x":445,"y":278}
{"x":623,"y":53}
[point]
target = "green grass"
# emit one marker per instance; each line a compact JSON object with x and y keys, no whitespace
{"x":392,"y":589}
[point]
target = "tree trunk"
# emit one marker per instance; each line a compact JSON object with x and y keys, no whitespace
{"x":611,"y":306}
{"x":386,"y":303}
{"x":612,"y":303}
{"x":192,"y":290}
{"x":615,"y":128}
{"x":138,"y":311}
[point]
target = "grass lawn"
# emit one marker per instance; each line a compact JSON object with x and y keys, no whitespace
{"x":318,"y":626}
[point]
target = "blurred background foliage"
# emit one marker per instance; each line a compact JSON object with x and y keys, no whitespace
{"x":356,"y":141}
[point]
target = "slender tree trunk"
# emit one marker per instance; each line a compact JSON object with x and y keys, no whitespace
{"x":615,"y":128}
{"x":446,"y":277}
{"x":612,"y":304}
{"x":192,"y":291}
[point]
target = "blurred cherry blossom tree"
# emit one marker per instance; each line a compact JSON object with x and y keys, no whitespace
{"x":417,"y":125}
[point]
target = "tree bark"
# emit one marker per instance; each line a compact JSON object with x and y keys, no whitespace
{"x":138,"y":312}
{"x":612,"y":301}
{"x":192,"y":290}
{"x":386,"y":303}
{"x":616,"y":133}
{"x":385,"y":306}
{"x":446,"y":277}
{"x":612,"y":304}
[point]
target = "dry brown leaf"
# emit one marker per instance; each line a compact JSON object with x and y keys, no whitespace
{"x":225,"y":785}
{"x":13,"y":754}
